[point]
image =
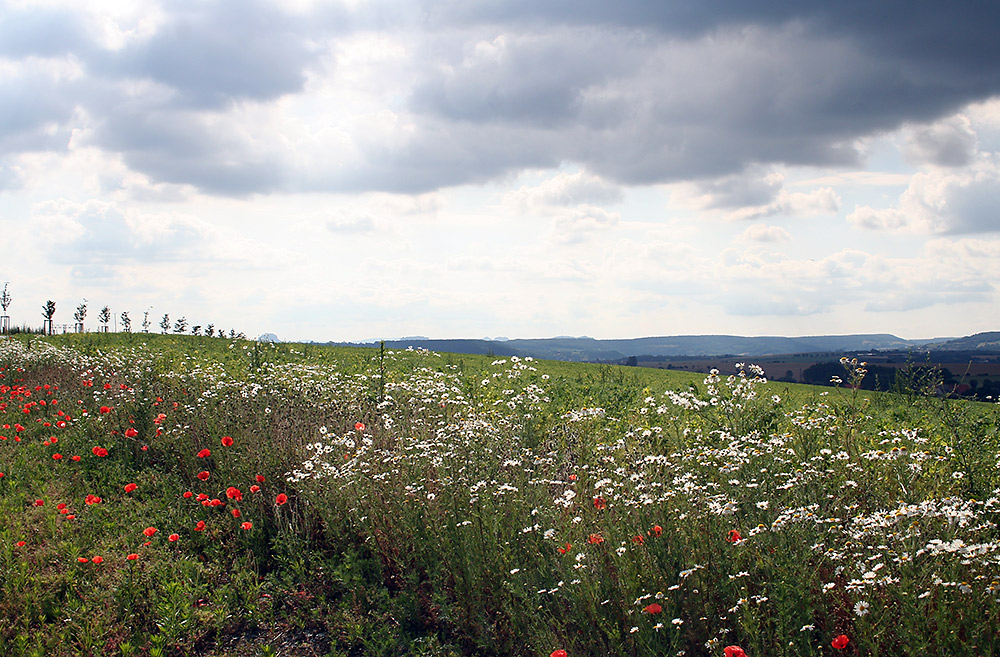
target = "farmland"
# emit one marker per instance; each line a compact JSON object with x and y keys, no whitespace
{"x":193,"y":495}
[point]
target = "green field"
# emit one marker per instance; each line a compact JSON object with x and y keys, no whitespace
{"x":171,"y":495}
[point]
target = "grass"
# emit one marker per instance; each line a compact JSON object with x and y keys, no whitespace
{"x":360,"y":502}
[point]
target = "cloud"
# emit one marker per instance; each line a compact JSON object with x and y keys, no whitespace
{"x":948,"y":143}
{"x":765,"y":233}
{"x":754,"y":195}
{"x":941,"y":202}
{"x":222,"y":95}
{"x":564,"y":190}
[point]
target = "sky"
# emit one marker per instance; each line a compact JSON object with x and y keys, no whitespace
{"x":519,"y":168}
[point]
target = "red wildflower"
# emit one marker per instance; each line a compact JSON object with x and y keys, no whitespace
{"x":733,"y":651}
{"x":600,"y":503}
{"x":234,"y":493}
{"x":82,"y":559}
{"x":75,"y":458}
{"x":105,"y":409}
{"x":203,"y":475}
{"x":132,"y":557}
{"x":281,"y":499}
{"x":173,"y":538}
{"x":840,"y":642}
{"x":201,"y":497}
{"x":149,"y":531}
{"x":558,"y":653}
{"x":200,"y":526}
{"x":246,"y":526}
{"x":20,"y":544}
{"x":260,"y":479}
{"x":205,"y":452}
{"x":130,"y":487}
{"x":569,"y":546}
{"x":656,"y":530}
{"x":638,"y":539}
{"x":572,"y":477}
{"x":255,"y":488}
{"x":217,"y":502}
{"x":236,"y":513}
{"x":99,"y":451}
{"x":39,"y":502}
{"x":359,"y":426}
{"x":188,"y":494}
{"x":227,"y":441}
{"x":734,"y":536}
{"x":98,"y":559}
{"x":57,"y":456}
{"x":131,"y":433}
{"x":595,"y":539}
{"x":92,"y":499}
{"x":654,"y":608}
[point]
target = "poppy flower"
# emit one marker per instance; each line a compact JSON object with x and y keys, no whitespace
{"x":236,"y":513}
{"x":39,"y":502}
{"x":595,"y":539}
{"x":559,"y":653}
{"x":99,"y":451}
{"x":359,"y":426}
{"x":638,"y":539}
{"x":200,"y":526}
{"x":281,"y":499}
{"x":227,"y":441}
{"x":57,"y":456}
{"x":201,"y":497}
{"x":98,"y":559}
{"x":205,"y":452}
{"x":260,"y":479}
{"x":600,"y":503}
{"x":83,"y":559}
{"x":131,"y":433}
{"x":74,"y":458}
{"x":656,"y":530}
{"x":654,"y":608}
{"x":188,"y":494}
{"x":132,"y":557}
{"x":92,"y":499}
{"x":203,"y":475}
{"x":173,"y":538}
{"x":246,"y":526}
{"x":20,"y":544}
{"x":130,"y":487}
{"x":733,"y":651}
{"x":840,"y":642}
{"x":149,"y":531}
{"x":564,"y":550}
{"x":105,"y":409}
{"x":234,"y":493}
{"x":255,"y":488}
{"x":734,"y":536}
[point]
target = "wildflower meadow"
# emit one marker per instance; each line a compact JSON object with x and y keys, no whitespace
{"x":188,"y":495}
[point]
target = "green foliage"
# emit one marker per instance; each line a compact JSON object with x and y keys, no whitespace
{"x":457,"y":505}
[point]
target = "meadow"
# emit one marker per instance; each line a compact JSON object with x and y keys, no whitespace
{"x":183,"y":495}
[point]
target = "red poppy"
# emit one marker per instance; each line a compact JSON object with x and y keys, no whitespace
{"x":840,"y":642}
{"x":132,"y":557}
{"x":99,"y":451}
{"x":733,"y":651}
{"x":201,"y":497}
{"x":657,"y":530}
{"x":200,"y":527}
{"x":236,"y":513}
{"x":558,"y":653}
{"x":260,"y":479}
{"x":205,"y":452}
{"x":734,"y":536}
{"x":281,"y":499}
{"x":130,"y":487}
{"x":98,"y":559}
{"x":572,"y":477}
{"x":92,"y":499}
{"x":82,"y":559}
{"x":227,"y":441}
{"x":569,"y":546}
{"x":187,"y":494}
{"x":595,"y":539}
{"x":57,"y":456}
{"x":173,"y":538}
{"x":105,"y":409}
{"x":20,"y":544}
{"x":600,"y":503}
{"x":255,"y":488}
{"x":246,"y":526}
{"x":149,"y":531}
{"x":203,"y":475}
{"x":638,"y":539}
{"x":234,"y":493}
{"x":654,"y":608}
{"x":75,"y":458}
{"x":39,"y":502}
{"x":131,"y":433}
{"x":359,"y":426}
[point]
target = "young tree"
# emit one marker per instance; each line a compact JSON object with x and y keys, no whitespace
{"x":48,"y":312}
{"x":79,"y":315}
{"x":126,"y":322}
{"x":196,"y":329}
{"x":210,"y":330}
{"x":4,"y":302}
{"x":180,"y":326}
{"x":104,"y":317}
{"x":145,"y":321}
{"x":165,"y":323}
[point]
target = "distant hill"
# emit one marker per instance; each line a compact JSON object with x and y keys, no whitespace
{"x":672,"y":347}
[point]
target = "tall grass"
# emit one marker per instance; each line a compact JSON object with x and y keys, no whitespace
{"x":417,"y":503}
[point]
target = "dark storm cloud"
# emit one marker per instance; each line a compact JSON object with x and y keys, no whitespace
{"x":637,"y":92}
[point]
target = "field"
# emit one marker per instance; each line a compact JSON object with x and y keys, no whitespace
{"x":171,"y":495}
